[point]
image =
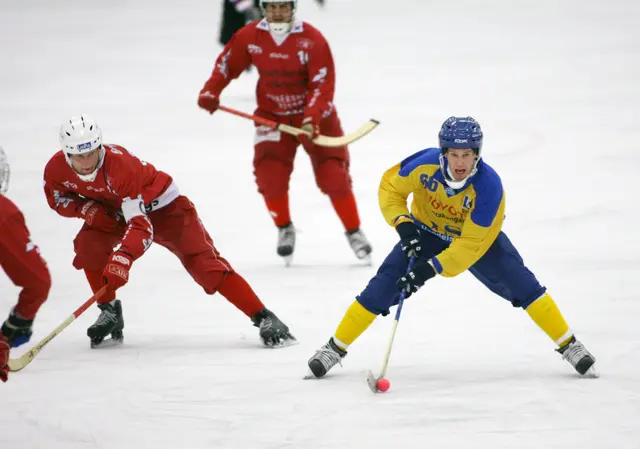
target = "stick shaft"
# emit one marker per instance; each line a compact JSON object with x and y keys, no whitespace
{"x":27,"y":357}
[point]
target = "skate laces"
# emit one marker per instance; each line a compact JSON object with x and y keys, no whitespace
{"x":328,"y":356}
{"x":266,"y":324}
{"x":358,"y":240}
{"x":286,"y":235}
{"x":106,"y":316}
{"x":574,"y":352}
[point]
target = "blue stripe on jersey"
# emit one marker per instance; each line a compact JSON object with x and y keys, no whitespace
{"x":429,"y":156}
{"x":489,"y":193}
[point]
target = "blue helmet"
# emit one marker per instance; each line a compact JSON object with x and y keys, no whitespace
{"x":460,"y":132}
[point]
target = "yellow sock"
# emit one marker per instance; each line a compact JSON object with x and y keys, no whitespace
{"x":356,"y":320}
{"x":545,"y":313}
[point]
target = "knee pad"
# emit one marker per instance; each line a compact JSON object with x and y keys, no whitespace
{"x":272,"y":178}
{"x":333,"y":179}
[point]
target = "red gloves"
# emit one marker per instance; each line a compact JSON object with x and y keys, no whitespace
{"x":116,"y":273}
{"x":208,"y":101}
{"x":99,"y":217}
{"x":4,"y":358}
{"x":310,"y":124}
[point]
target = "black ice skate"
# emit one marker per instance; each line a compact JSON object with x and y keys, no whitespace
{"x":359,"y":244}
{"x":273,"y":332}
{"x":111,"y":322}
{"x":286,"y":242}
{"x":581,"y":359}
{"x":326,"y":358}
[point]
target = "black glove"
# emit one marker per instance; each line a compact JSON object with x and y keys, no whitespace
{"x":16,"y":329}
{"x":411,"y":282}
{"x":410,"y":239}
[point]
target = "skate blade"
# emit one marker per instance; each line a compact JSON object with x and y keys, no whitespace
{"x":287,"y":261}
{"x":109,"y":343}
{"x":367,"y":260}
{"x":372,"y":381}
{"x":310,"y":376}
{"x":592,"y":373}
{"x":283,"y":344}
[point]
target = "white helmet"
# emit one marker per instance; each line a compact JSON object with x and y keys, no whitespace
{"x":80,"y":135}
{"x":279,"y":28}
{"x":4,"y":172}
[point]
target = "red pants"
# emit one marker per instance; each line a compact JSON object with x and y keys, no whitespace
{"x":177,"y":228}
{"x":275,"y":152}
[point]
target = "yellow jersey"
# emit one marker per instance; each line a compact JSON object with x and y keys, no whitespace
{"x":470,"y":217}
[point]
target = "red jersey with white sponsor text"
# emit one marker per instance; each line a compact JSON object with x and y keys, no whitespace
{"x":123,"y":184}
{"x":297,"y":74}
{"x":21,"y":261}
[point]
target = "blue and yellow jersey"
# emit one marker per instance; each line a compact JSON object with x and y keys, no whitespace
{"x":470,"y":218}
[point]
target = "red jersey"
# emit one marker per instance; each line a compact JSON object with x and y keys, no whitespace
{"x":124,"y":184}
{"x":297,"y":75}
{"x":21,"y":260}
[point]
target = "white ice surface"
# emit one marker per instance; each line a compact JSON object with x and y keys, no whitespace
{"x":555,"y":84}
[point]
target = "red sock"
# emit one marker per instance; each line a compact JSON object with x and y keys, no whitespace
{"x":239,"y":293}
{"x":347,"y":210}
{"x":279,"y":210}
{"x":95,"y":281}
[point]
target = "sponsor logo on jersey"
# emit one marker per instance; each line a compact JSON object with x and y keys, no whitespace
{"x":70,"y":185}
{"x":121,"y":259}
{"x":254,"y":49}
{"x":467,"y":203}
{"x":279,"y":55}
{"x":305,"y":44}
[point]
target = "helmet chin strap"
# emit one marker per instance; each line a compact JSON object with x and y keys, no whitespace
{"x":280,"y":28}
{"x":91,"y":176}
{"x":450,"y":179}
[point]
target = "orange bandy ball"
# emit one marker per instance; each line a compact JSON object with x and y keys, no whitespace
{"x":383,"y":384}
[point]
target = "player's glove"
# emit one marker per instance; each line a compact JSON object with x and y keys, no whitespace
{"x":16,"y":330}
{"x":311,"y":125}
{"x":208,"y":101}
{"x":99,"y":217}
{"x":4,"y":358}
{"x":411,"y":282}
{"x":116,"y":273}
{"x":410,"y":239}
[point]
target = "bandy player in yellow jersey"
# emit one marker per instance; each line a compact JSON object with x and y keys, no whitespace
{"x":454,"y":225}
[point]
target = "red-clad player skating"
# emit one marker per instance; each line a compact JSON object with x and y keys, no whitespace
{"x":295,"y":87}
{"x":128,"y":204}
{"x":21,"y":261}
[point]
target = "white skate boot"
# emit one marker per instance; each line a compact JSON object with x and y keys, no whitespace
{"x":360,"y":245}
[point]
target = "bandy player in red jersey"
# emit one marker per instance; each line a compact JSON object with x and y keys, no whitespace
{"x":127,"y":204}
{"x":296,"y":86}
{"x":21,"y":261}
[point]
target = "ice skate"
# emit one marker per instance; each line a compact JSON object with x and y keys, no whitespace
{"x":324,"y":359}
{"x":360,"y":245}
{"x":577,"y":355}
{"x":273,"y":332}
{"x":110,"y":322}
{"x":286,"y":242}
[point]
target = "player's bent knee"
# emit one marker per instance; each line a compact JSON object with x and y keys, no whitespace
{"x":333,"y":178}
{"x":272,"y":179}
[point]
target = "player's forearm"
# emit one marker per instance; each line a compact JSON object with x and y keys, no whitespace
{"x":65,"y":205}
{"x":138,"y":237}
{"x":465,"y":251}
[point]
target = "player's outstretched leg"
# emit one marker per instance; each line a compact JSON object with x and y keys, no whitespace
{"x":577,"y":355}
{"x":286,"y":242}
{"x":110,"y":322}
{"x":359,"y":244}
{"x":326,"y":358}
{"x":273,"y":332}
